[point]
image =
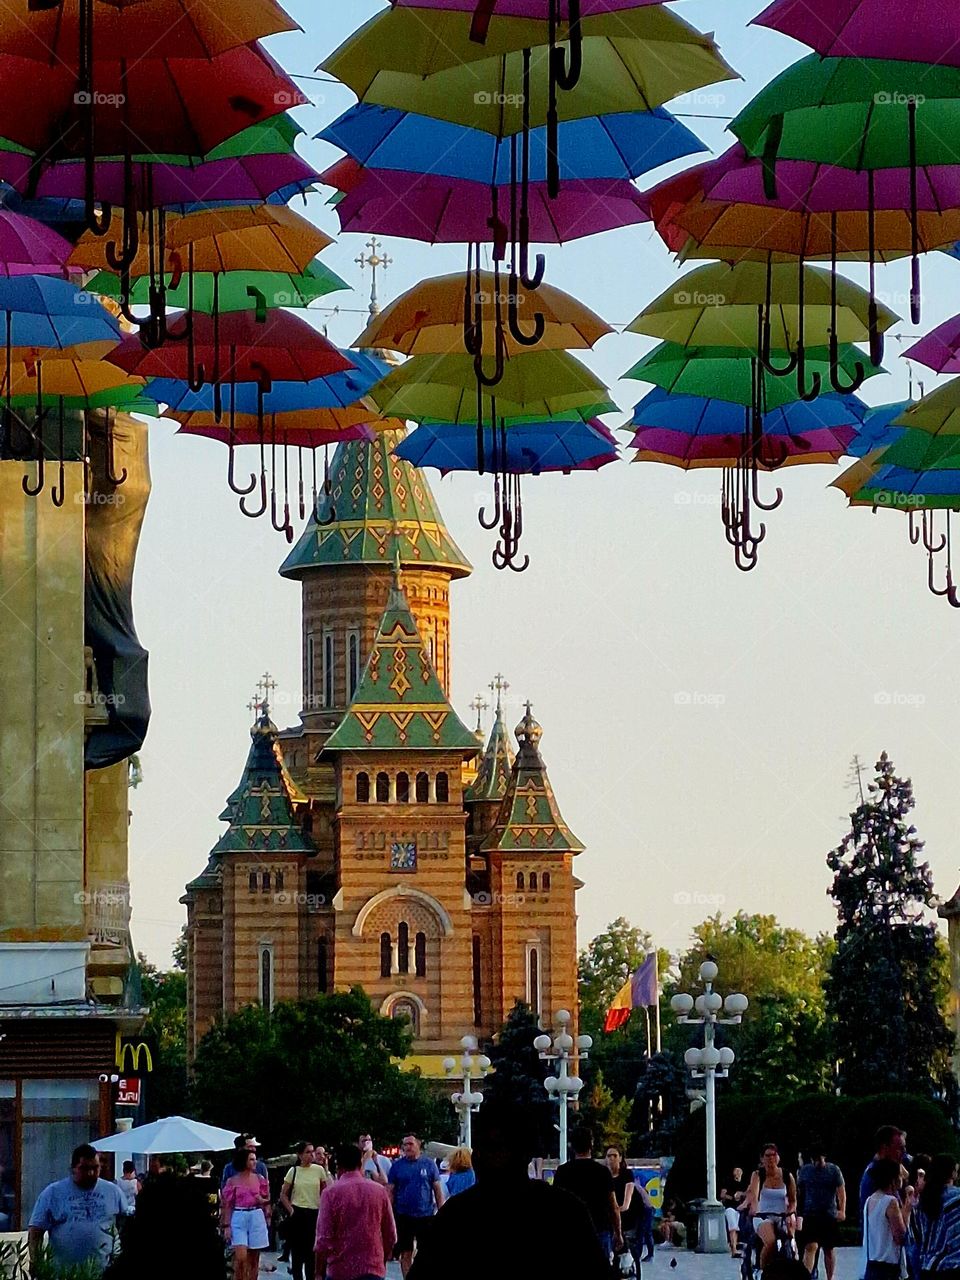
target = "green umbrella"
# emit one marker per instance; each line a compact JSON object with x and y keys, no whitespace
{"x":279,"y":289}
{"x":857,"y":113}
{"x":729,"y":373}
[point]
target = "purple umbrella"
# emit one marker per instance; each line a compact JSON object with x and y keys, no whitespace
{"x":685,"y":447}
{"x":940,"y":348}
{"x":242,"y":180}
{"x":28,"y":248}
{"x":910,"y":31}
{"x":441,"y":210}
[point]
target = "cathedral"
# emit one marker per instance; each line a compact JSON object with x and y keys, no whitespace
{"x":381,"y":841}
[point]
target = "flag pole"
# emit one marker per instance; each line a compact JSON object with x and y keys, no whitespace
{"x":656,"y":970}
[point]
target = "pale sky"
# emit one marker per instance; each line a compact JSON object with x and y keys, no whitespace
{"x":699,"y":723}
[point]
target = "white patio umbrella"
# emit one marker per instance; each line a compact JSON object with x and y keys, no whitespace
{"x":172,"y":1134}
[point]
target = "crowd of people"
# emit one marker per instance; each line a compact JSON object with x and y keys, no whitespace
{"x":345,"y":1216}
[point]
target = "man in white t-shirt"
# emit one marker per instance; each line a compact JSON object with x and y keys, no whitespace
{"x":128,"y":1186}
{"x":375,"y":1166}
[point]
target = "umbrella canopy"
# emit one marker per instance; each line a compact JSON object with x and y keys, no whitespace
{"x":441,"y":210}
{"x":694,"y":416}
{"x":730,"y":374}
{"x":281,"y":289}
{"x":173,"y":1133}
{"x":937,"y":413}
{"x":940,"y":349}
{"x":136,"y":29}
{"x":27,"y":247}
{"x":624,"y":145}
{"x":282,"y":347}
{"x":92,"y":381}
{"x":530,"y":447}
{"x":524,"y":9}
{"x":443,"y":388}
{"x":428,"y":319}
{"x":923,"y":31}
{"x":716,"y":305}
{"x":877,"y":428}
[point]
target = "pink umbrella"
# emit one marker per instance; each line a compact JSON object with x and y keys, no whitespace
{"x":28,"y":248}
{"x":523,"y":8}
{"x":441,"y":210}
{"x":910,"y":31}
{"x":693,"y":448}
{"x":940,"y":348}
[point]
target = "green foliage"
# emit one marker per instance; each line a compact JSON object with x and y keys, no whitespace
{"x":886,"y":943}
{"x":847,"y":1125}
{"x":15,"y":1264}
{"x":519,"y":1073}
{"x":323,"y":1068}
{"x":607,"y":1117}
{"x":605,"y":965}
{"x":660,"y":1104}
{"x":165,"y":994}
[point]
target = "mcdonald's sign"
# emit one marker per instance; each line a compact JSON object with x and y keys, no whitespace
{"x":127,"y":1049}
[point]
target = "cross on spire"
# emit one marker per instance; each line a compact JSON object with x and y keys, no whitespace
{"x":499,"y":686}
{"x":479,"y":706}
{"x":265,"y":687}
{"x":253,"y":706}
{"x":374,"y":260}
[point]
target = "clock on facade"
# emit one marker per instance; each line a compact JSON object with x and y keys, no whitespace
{"x":403,"y":855}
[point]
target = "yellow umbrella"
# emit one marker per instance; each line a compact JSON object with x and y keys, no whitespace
{"x":429,"y":318}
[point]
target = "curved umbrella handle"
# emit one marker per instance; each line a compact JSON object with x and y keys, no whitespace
{"x":929,"y":529}
{"x":116,"y":480}
{"x":764,"y":348}
{"x":513,"y":320}
{"x":843,"y":388}
{"x":535,"y":280}
{"x":566,"y":77}
{"x":807,"y":393}
{"x":58,"y":492}
{"x":876,"y":337}
{"x":491,"y":380}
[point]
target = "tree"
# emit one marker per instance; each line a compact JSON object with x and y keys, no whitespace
{"x":887,"y":982}
{"x":660,"y":1104}
{"x":165,"y":1030}
{"x":324,"y":1069}
{"x":519,"y":1073}
{"x":607,"y":1117}
{"x":605,"y":965}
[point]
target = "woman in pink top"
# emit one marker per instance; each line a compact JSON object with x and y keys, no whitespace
{"x":244,"y":1204}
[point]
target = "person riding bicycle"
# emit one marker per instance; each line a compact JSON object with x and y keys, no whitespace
{"x":773,"y":1201}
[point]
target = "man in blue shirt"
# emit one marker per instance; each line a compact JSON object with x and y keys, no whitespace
{"x":78,"y":1214}
{"x":417,"y":1194}
{"x":242,"y":1143}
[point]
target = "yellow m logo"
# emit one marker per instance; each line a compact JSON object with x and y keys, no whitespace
{"x":123,"y":1048}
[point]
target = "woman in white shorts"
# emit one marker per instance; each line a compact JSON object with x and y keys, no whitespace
{"x":245,"y":1201}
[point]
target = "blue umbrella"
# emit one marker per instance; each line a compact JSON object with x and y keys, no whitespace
{"x":530,"y":447}
{"x":876,"y":431}
{"x":50,"y":314}
{"x":700,"y":415}
{"x":621,"y":146}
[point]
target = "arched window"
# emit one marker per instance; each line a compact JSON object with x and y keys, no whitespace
{"x":403,"y":947}
{"x":410,"y":1010}
{"x":363,"y":788}
{"x":266,"y":977}
{"x":386,"y":952}
{"x":443,"y":788}
{"x":545,"y":881}
{"x":423,"y":788}
{"x":322,"y":964}
{"x":353,"y":664}
{"x":520,"y":882}
{"x":383,"y":788}
{"x":265,"y":882}
{"x":253,"y":882}
{"x":420,"y":955}
{"x":477,"y":983}
{"x":278,"y":881}
{"x":403,"y":788}
{"x":533,"y":882}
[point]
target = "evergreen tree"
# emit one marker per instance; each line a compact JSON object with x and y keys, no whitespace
{"x":607,"y":1117}
{"x":886,"y":985}
{"x":519,"y":1073}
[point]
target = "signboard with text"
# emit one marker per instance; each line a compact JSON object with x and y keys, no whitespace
{"x":128,"y":1091}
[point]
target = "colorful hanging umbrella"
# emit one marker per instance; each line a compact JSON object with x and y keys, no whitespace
{"x":29,"y":248}
{"x":878,"y":428}
{"x":923,"y":31}
{"x":527,"y":448}
{"x":940,"y":349}
{"x":235,"y":290}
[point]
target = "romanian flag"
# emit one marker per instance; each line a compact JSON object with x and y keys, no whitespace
{"x":640,"y":991}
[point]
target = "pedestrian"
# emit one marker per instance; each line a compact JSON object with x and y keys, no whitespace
{"x":174,"y":1221}
{"x":629,"y":1200}
{"x":300,"y":1196}
{"x":128,"y":1185}
{"x":890,"y":1143}
{"x":242,"y":1143}
{"x":320,"y":1156}
{"x":732,"y":1196}
{"x":821,"y":1204}
{"x":417,"y":1194}
{"x":772,"y":1197}
{"x":375,"y":1166}
{"x":78,"y":1214}
{"x":885,"y":1222}
{"x":356,"y":1230}
{"x":245,"y":1203}
{"x":461,"y":1175}
{"x":592,"y":1183}
{"x":938,"y":1220}
{"x":510,"y":1224}
{"x":919,"y":1165}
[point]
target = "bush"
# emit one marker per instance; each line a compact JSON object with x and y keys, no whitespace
{"x":847,"y":1125}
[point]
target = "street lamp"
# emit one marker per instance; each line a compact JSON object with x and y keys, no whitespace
{"x":565,"y":1084}
{"x":707,"y":1064}
{"x":467,"y":1101}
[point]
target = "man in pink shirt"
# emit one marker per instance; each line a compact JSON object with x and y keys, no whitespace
{"x":356,"y":1232}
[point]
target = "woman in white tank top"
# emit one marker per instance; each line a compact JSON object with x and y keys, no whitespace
{"x":885,"y":1223}
{"x":772,"y":1198}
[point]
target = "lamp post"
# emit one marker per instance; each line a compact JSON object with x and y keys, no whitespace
{"x":565,"y":1084}
{"x":466,"y":1101}
{"x":707,"y":1064}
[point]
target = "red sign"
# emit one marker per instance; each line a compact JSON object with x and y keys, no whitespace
{"x":128,"y":1091}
